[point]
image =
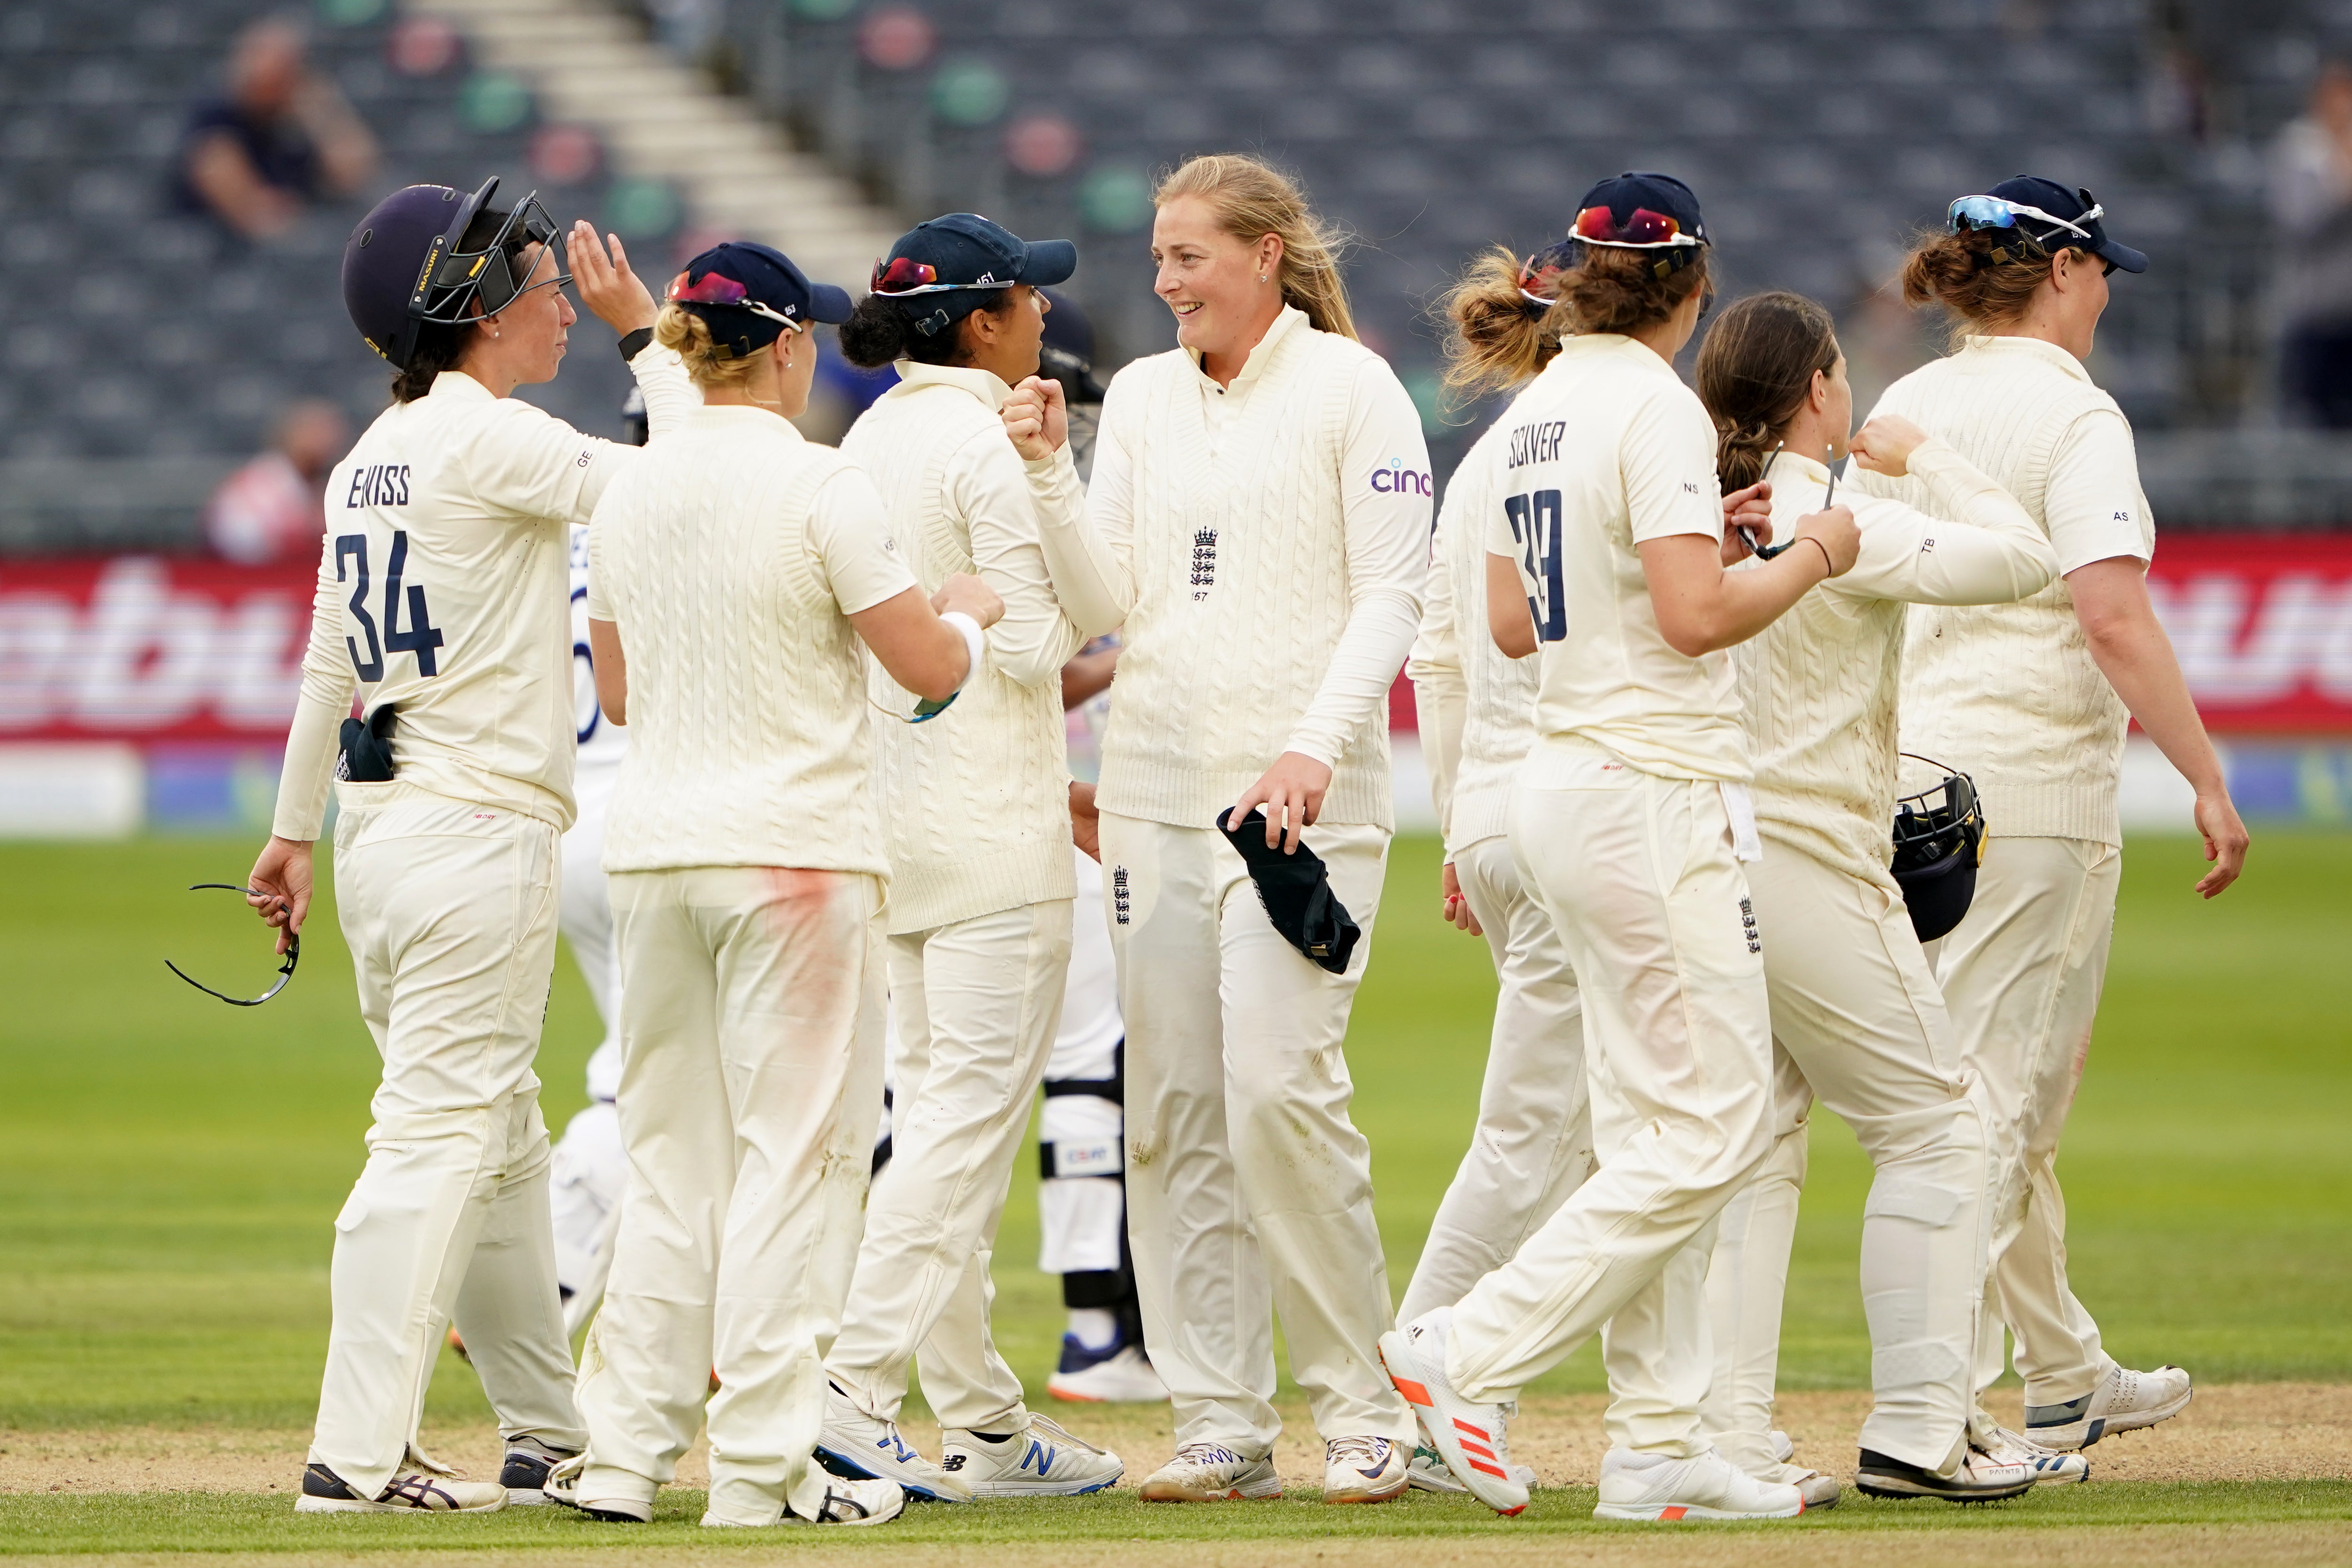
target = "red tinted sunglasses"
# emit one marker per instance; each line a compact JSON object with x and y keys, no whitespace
{"x":1645,"y":227}
{"x":718,"y":289}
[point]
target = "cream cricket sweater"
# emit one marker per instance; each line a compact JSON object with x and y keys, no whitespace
{"x":975,"y":803}
{"x":2009,"y":692}
{"x":1266,"y":544}
{"x":1478,"y":705}
{"x":729,"y":561}
{"x":1817,"y":688}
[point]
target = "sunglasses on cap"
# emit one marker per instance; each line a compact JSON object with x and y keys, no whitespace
{"x":907,"y":277}
{"x":2001,"y":212}
{"x":717,"y":289}
{"x":1598,"y":225}
{"x":1543,"y":271}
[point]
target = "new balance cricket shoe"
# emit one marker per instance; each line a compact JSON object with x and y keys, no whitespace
{"x":856,"y":1446}
{"x":1470,"y":1437}
{"x":1978,"y":1477}
{"x":2124,"y":1401}
{"x":524,"y":1473}
{"x":1119,"y":1374}
{"x":613,"y":1497}
{"x":1365,"y":1470}
{"x":421,"y":1485}
{"x":1707,"y":1486}
{"x":1211,"y":1472}
{"x":1040,"y":1459}
{"x":2048,"y":1466}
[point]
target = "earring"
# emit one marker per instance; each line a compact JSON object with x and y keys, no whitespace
{"x":1260,"y":278}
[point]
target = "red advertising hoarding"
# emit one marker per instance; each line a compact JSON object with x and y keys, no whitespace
{"x":142,"y":649}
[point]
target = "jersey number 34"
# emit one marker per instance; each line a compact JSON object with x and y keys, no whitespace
{"x":420,"y":638}
{"x":1535,"y":523}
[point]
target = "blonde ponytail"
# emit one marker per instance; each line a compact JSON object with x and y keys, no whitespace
{"x":689,"y":336}
{"x":1252,"y":199}
{"x":1496,"y":336}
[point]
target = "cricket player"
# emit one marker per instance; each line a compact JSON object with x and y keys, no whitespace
{"x":1258,"y":521}
{"x":441,"y":602}
{"x":730,"y":580}
{"x":975,"y":810}
{"x":1629,"y":818}
{"x":2036,"y":697}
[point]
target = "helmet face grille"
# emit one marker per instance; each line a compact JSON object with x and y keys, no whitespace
{"x":1937,"y":825}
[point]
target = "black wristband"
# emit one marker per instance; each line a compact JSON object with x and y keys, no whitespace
{"x":634,"y":343}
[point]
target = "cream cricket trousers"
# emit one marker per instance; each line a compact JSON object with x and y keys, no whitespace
{"x":750,"y":1077}
{"x":1533,"y":1142}
{"x":2021,"y":975}
{"x":1249,"y":1191}
{"x":976,"y":1004}
{"x":1638,"y":875}
{"x":448,"y":909}
{"x":1856,"y":1013}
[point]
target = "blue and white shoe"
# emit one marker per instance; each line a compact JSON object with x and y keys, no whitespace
{"x":1118,"y":1373}
{"x":1042,"y":1459}
{"x":2047,"y":1466}
{"x":2124,"y":1401}
{"x":856,"y":1445}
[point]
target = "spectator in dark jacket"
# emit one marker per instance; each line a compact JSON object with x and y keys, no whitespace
{"x":282,"y":139}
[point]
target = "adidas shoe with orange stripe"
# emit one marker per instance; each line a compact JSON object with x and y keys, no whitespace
{"x":1470,"y":1437}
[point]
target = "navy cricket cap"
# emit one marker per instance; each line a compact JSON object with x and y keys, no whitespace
{"x":1635,"y":211}
{"x":950,"y":267}
{"x":747,"y":294}
{"x":2076,"y":207}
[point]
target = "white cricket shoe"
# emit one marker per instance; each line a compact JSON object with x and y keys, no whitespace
{"x":845,"y":1502}
{"x":855,"y":1445}
{"x":1654,"y":1487}
{"x":1426,"y":1471}
{"x":2047,"y":1466}
{"x":1979,"y":1476}
{"x":1819,"y":1490}
{"x":1471,"y":1439}
{"x":2124,"y":1401}
{"x":1365,"y":1470}
{"x":1211,"y":1472}
{"x":421,"y":1485}
{"x":1783,"y":1451}
{"x":1123,"y":1377}
{"x":1042,"y":1459}
{"x":605,"y":1499}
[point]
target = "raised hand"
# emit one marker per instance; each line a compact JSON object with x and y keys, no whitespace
{"x":611,"y":291}
{"x":1036,"y":419}
{"x":1885,"y":445}
{"x":1835,"y":531}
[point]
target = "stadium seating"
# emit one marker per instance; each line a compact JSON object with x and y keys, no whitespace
{"x":145,"y":350}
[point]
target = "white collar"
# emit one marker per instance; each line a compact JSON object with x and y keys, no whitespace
{"x":986,"y":385}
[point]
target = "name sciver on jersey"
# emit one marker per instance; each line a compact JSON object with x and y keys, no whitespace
{"x":1538,"y":443}
{"x":378,"y":485}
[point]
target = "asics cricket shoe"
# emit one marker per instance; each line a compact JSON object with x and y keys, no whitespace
{"x":525,"y":1472}
{"x":845,"y":1502}
{"x":421,"y":1485}
{"x":1365,"y":1470}
{"x":1654,"y":1487}
{"x":2048,"y":1466}
{"x":1469,"y":1437}
{"x":1211,"y":1472}
{"x":1120,"y":1374}
{"x":860,"y":1448}
{"x":605,"y":1499}
{"x":2124,"y":1401}
{"x":1979,"y":1476}
{"x":1040,"y":1459}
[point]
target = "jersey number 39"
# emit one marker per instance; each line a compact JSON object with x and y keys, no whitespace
{"x":420,"y":636}
{"x":1535,"y":523}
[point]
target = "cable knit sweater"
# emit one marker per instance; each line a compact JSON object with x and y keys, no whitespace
{"x":1266,"y":544}
{"x":975,"y":803}
{"x":1478,"y":705}
{"x":2009,"y":692}
{"x":1817,"y":688}
{"x":729,"y":559}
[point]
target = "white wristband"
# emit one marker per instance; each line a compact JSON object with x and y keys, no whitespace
{"x":974,"y":641}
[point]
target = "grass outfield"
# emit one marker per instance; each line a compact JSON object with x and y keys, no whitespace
{"x":169,"y":1168}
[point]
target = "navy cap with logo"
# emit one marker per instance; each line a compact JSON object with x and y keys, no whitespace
{"x":1635,"y":211}
{"x":2047,"y":214}
{"x":749,"y":295}
{"x":952,"y":265}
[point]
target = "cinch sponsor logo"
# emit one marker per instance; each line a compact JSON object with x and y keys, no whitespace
{"x":1396,"y":479}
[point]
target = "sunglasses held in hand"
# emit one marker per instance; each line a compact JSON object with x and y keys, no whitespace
{"x":285,"y":970}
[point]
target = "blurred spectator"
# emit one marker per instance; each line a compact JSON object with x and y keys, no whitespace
{"x":282,"y":139}
{"x":2311,"y":196}
{"x":272,"y":510}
